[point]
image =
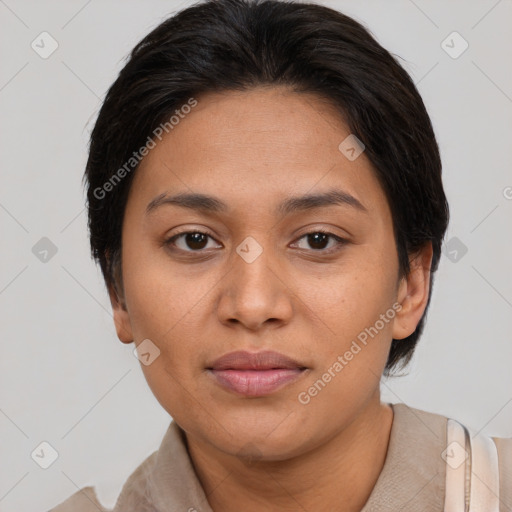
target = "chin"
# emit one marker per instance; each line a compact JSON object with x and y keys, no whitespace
{"x":265,"y":444}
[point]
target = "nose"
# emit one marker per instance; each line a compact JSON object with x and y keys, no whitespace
{"x":255,"y":292}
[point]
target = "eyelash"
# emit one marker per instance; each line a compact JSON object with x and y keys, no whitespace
{"x":340,"y":241}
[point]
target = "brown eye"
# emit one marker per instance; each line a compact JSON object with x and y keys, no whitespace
{"x":319,"y":241}
{"x":189,"y":241}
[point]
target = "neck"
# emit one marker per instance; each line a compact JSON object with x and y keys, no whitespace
{"x":338,"y":475}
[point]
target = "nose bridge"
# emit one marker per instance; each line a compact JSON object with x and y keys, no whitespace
{"x":254,"y":292}
{"x":252,"y":267}
{"x":253,"y":263}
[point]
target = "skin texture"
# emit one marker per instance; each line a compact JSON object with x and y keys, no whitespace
{"x":252,"y":150}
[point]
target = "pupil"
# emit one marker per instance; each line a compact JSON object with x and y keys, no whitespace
{"x":314,"y":239}
{"x":196,"y":240}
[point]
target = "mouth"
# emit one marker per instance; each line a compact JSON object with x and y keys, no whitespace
{"x":255,"y":374}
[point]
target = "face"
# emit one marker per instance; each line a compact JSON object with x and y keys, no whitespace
{"x":261,"y":268}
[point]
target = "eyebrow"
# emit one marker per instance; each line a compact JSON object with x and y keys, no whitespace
{"x":206,"y":203}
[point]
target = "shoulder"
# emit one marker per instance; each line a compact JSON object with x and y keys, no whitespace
{"x":416,"y":424}
{"x":413,"y":475}
{"x":425,"y":434}
{"x":420,"y":423}
{"x":164,"y":473}
{"x":84,"y":500}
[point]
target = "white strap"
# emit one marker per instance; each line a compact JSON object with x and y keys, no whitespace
{"x":485,"y":484}
{"x":472,"y":471}
{"x":456,"y":456}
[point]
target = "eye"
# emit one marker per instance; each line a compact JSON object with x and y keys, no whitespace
{"x":318,"y":240}
{"x":189,"y":241}
{"x":197,"y":241}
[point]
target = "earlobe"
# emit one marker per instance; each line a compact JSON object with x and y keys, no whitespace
{"x":413,"y":294}
{"x":121,"y":316}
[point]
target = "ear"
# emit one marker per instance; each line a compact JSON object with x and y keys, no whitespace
{"x":413,"y":293}
{"x":121,"y":316}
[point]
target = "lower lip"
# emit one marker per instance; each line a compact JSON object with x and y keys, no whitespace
{"x":256,"y":382}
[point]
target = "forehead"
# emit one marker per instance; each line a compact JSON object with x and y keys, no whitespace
{"x":257,"y":147}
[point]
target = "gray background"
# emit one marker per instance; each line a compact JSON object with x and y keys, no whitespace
{"x":67,"y":380}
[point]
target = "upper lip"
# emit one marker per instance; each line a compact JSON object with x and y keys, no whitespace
{"x":242,"y":360}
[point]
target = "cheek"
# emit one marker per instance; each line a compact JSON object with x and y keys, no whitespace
{"x":162,"y":297}
{"x":352,"y":297}
{"x":351,"y":356}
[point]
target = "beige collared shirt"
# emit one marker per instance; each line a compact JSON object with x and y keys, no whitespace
{"x":412,"y":478}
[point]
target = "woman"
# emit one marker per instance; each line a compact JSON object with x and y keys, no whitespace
{"x":266,"y":205}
